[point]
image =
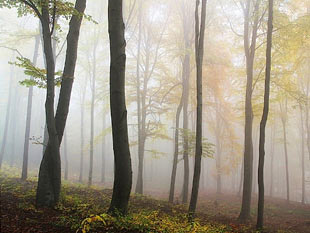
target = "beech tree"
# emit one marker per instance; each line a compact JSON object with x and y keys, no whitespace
{"x":28,"y":117}
{"x":122,"y":173}
{"x":199,"y":46}
{"x":49,"y":182}
{"x":261,"y":188}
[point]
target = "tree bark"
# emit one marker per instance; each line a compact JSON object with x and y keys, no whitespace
{"x":199,"y":47}
{"x":261,"y":188}
{"x":49,"y":182}
{"x":249,"y":49}
{"x":28,"y":118}
{"x":123,"y":173}
{"x":176,"y":151}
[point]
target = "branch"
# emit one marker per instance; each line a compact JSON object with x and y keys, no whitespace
{"x":54,"y":17}
{"x":15,"y":50}
{"x":258,"y":77}
{"x":32,"y":5}
{"x":230,"y":24}
{"x":162,"y":100}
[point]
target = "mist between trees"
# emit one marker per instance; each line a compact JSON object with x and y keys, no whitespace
{"x":166,"y":50}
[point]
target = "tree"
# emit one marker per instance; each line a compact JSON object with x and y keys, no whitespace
{"x":148,"y":104}
{"x":187,"y":32}
{"x":49,"y":182}
{"x":123,"y":173}
{"x":249,"y":48}
{"x":261,"y":188}
{"x":199,"y":46}
{"x":82,"y":103}
{"x":92,"y":111}
{"x":176,"y":150}
{"x":28,"y":117}
{"x":7,"y":116}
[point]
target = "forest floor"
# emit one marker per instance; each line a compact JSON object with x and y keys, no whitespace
{"x":78,"y":203}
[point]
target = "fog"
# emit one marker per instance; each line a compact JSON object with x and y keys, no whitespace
{"x":161,"y":61}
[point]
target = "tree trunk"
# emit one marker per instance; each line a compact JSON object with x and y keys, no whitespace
{"x":303,"y":181}
{"x":248,"y":144}
{"x":13,"y":122}
{"x":186,"y":76}
{"x":218,"y":152}
{"x":241,"y":178}
{"x":123,"y":172}
{"x":139,"y":185}
{"x":103,"y":149}
{"x":92,"y":116}
{"x":49,"y":181}
{"x":283,"y":120}
{"x":176,"y":151}
{"x":199,"y":47}
{"x":261,"y":188}
{"x":186,"y":70}
{"x":142,"y":139}
{"x":255,"y":159}
{"x":29,"y":109}
{"x":7,"y":117}
{"x":272,"y":140}
{"x":82,"y":136}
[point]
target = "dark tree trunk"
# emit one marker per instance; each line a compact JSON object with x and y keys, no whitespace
{"x":249,"y":49}
{"x":68,"y":73}
{"x":123,"y":172}
{"x":28,"y":118}
{"x":261,"y":188}
{"x":7,"y":117}
{"x":49,"y":182}
{"x":176,"y":151}
{"x":199,"y":47}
